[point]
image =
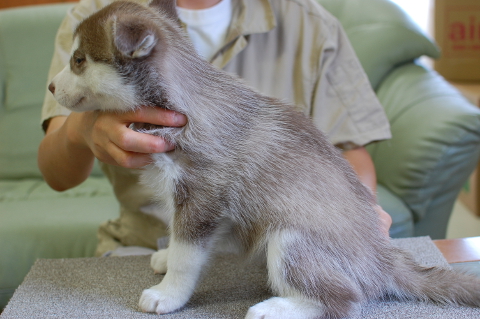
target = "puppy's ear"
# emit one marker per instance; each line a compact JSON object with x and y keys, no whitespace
{"x":132,"y":37}
{"x":169,"y":7}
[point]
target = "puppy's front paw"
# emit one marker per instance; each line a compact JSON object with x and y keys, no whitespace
{"x":260,"y":312}
{"x":158,"y":262}
{"x":284,"y":308}
{"x":155,"y":300}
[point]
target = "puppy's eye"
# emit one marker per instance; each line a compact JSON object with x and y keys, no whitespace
{"x":79,"y":61}
{"x":78,"y":58}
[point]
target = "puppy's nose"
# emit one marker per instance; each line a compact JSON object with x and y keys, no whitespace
{"x":51,"y":88}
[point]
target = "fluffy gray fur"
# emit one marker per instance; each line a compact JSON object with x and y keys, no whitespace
{"x":253,"y":170}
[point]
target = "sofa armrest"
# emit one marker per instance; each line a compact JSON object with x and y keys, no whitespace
{"x":382,"y":35}
{"x":435,"y":144}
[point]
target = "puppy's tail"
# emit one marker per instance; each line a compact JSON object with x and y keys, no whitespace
{"x":437,"y":284}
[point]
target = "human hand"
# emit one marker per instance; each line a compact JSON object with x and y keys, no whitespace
{"x":362,"y":164}
{"x":108,"y":136}
{"x":385,"y":220}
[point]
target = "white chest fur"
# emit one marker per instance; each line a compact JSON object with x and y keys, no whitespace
{"x":161,"y":177}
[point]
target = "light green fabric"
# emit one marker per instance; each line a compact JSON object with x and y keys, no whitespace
{"x":435,"y":131}
{"x":22,"y":65}
{"x":20,"y":135}
{"x":382,"y":35}
{"x":27,"y":36}
{"x":37,"y":189}
{"x":435,"y":144}
{"x":37,"y":222}
{"x":23,"y":89}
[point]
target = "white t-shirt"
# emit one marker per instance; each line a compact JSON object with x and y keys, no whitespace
{"x":207,"y":28}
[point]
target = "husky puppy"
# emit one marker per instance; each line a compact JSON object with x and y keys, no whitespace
{"x":247,"y":168}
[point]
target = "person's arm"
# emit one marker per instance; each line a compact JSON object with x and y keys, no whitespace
{"x":363,"y":165}
{"x":71,"y":143}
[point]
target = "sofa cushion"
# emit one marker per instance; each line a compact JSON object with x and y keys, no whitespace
{"x":19,"y":36}
{"x":21,"y":94}
{"x":37,"y":222}
{"x":26,"y":46}
{"x":20,"y":136}
{"x":36,"y":189}
{"x":435,"y":136}
{"x":382,"y":38}
{"x":21,"y":31}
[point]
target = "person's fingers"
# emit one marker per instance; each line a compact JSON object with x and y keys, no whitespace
{"x":157,"y":116}
{"x":111,"y":140}
{"x":119,"y":157}
{"x":385,"y":219}
{"x":131,"y":141}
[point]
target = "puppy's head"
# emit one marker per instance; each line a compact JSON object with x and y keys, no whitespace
{"x":112,"y":57}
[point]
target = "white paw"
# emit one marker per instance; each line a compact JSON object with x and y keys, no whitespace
{"x":283,"y":308}
{"x":158,"y":262}
{"x":268,"y":309}
{"x":155,"y":300}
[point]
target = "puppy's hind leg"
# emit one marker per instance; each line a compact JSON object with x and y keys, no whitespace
{"x":307,"y":281}
{"x":158,"y":262}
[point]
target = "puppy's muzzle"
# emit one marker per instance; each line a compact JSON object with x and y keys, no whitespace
{"x":51,"y":88}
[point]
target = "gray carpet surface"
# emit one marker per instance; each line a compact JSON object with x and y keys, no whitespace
{"x":110,"y":287}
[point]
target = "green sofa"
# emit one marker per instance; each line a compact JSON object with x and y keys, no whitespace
{"x":435,"y":144}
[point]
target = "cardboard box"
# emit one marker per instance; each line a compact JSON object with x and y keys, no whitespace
{"x":470,"y":194}
{"x":470,"y":90}
{"x":457,"y":32}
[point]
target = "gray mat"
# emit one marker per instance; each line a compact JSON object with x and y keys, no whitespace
{"x":110,"y":288}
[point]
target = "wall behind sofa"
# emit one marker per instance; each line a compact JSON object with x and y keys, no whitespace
{"x":18,"y":3}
